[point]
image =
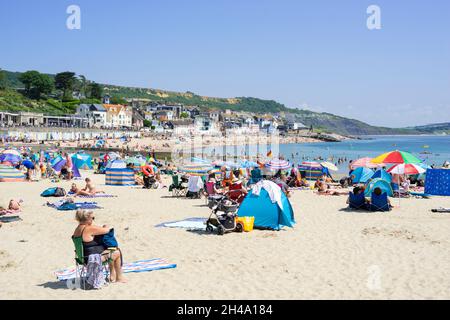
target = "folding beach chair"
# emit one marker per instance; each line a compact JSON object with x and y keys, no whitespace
{"x":379,"y":203}
{"x":357,"y":201}
{"x":177,"y":188}
{"x":81,"y":266}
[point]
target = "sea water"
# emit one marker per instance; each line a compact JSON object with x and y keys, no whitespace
{"x":432,"y":149}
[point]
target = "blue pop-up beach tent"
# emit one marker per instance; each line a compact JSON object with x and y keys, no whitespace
{"x":82,"y":161}
{"x":384,"y":185}
{"x":362,"y":175}
{"x":382,"y":174}
{"x":267,"y":214}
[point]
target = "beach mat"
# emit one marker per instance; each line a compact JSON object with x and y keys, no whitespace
{"x":137,"y":266}
{"x":6,"y":219}
{"x":99,"y":195}
{"x":78,"y":205}
{"x":189,"y":223}
{"x":441,"y":210}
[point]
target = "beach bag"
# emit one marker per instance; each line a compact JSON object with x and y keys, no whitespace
{"x":50,"y":192}
{"x":68,"y":206}
{"x":54,"y":192}
{"x":109,"y":240}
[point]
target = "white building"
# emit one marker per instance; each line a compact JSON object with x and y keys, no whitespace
{"x":118,"y":116}
{"x":96,"y":114}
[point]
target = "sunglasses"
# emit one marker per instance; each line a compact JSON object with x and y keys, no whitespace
{"x":93,"y":218}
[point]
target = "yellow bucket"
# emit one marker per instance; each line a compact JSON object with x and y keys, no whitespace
{"x":247,"y":222}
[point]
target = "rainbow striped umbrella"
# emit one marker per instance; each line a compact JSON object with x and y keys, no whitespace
{"x":396,"y":157}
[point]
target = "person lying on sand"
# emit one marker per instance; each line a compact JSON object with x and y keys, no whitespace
{"x":13,"y":207}
{"x":92,"y":236}
{"x":324,"y":188}
{"x":88,"y":190}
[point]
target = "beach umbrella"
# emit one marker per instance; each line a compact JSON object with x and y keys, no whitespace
{"x":10,"y":158}
{"x":59,"y":164}
{"x":407,"y":169}
{"x":116,"y":164}
{"x":11,"y":151}
{"x":362,"y":175}
{"x":248,"y":164}
{"x":329,"y":166}
{"x":278,"y":164}
{"x":395,"y":157}
{"x":365,"y":162}
{"x":196,"y":169}
{"x":311,"y":169}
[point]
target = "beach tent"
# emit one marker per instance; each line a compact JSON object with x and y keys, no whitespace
{"x":362,"y":175}
{"x":437,"y":182}
{"x":119,"y":177}
{"x":61,"y":162}
{"x":384,"y":185}
{"x":310,"y":170}
{"x":10,"y":174}
{"x":82,"y":161}
{"x":383,"y":174}
{"x":267,"y":213}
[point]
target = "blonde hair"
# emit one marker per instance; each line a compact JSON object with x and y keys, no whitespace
{"x":83,"y":215}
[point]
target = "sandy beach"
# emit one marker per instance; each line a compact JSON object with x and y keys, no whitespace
{"x":330,"y":254}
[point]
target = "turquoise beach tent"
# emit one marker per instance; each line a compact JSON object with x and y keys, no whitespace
{"x":82,"y":161}
{"x":382,"y":174}
{"x":362,"y":175}
{"x":378,"y":183}
{"x":267,"y":214}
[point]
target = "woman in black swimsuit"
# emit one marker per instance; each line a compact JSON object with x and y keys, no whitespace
{"x":92,"y":236}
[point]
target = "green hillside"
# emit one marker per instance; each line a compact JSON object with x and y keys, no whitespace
{"x":12,"y":100}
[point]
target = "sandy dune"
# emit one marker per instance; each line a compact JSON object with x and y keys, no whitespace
{"x":330,"y":254}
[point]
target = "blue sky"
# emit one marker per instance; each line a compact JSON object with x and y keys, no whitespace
{"x":313,"y":54}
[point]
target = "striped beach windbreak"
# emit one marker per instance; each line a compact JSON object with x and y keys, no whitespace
{"x":120,"y":177}
{"x":10,"y":174}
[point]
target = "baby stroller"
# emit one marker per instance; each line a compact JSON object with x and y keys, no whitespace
{"x":223,"y":216}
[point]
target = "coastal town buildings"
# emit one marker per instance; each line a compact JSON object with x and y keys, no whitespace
{"x":118,"y":116}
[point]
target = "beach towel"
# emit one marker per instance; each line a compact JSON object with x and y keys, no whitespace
{"x":441,"y":210}
{"x":95,"y":275}
{"x":98,"y":195}
{"x":9,"y":211}
{"x":138,"y":266}
{"x":437,"y":182}
{"x":7,"y":219}
{"x":189,"y":223}
{"x":66,"y":206}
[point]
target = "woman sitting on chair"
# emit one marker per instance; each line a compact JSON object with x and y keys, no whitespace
{"x":92,"y":236}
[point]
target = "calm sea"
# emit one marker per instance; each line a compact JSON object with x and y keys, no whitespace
{"x":431,"y":149}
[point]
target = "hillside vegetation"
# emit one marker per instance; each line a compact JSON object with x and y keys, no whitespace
{"x":12,"y":100}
